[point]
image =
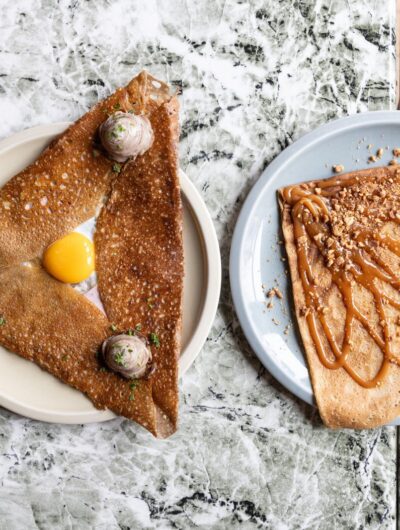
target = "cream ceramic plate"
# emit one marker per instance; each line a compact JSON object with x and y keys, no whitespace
{"x":28,"y":390}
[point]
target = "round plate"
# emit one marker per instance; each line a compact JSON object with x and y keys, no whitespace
{"x":28,"y":390}
{"x":257,"y":258}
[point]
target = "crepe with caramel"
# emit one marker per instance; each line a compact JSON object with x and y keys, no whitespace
{"x":342,"y":239}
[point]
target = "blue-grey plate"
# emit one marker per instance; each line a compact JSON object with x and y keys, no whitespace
{"x":257,"y":259}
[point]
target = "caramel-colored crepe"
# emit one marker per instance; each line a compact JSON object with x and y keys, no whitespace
{"x":140,"y":253}
{"x":50,"y":323}
{"x":349,"y":242}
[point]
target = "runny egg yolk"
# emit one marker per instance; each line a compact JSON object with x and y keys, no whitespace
{"x":70,"y":259}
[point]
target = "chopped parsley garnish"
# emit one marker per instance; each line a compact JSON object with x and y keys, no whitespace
{"x":2,"y":321}
{"x":116,"y":168}
{"x":119,"y":358}
{"x":96,"y":153}
{"x":131,"y":332}
{"x":64,"y":358}
{"x":117,"y":106}
{"x":154,"y":340}
{"x":131,"y":111}
{"x":113,"y":327}
{"x":120,"y":128}
{"x":133,"y":387}
{"x":150,"y":303}
{"x":102,"y":369}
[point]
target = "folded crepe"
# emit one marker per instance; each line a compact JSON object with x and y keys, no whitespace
{"x":138,"y":240}
{"x":342,"y":238}
{"x":58,"y":328}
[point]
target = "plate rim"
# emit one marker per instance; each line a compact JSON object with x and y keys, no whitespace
{"x":212,"y":271}
{"x":306,"y":141}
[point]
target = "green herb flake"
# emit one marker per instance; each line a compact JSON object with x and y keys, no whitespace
{"x":154,"y":340}
{"x":131,"y":111}
{"x":150,"y":303}
{"x":102,"y":369}
{"x":117,"y":106}
{"x":96,"y":153}
{"x":138,"y":327}
{"x":113,"y":327}
{"x":119,"y":358}
{"x":2,"y":321}
{"x":64,"y":358}
{"x":116,"y":168}
{"x":130,"y":332}
{"x":133,"y":386}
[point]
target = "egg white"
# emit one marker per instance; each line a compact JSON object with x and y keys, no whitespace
{"x":89,"y":286}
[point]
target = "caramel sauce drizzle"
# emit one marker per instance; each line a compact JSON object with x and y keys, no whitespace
{"x":363,"y":265}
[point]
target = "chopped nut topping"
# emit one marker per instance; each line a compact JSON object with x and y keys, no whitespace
{"x":304,"y":311}
{"x":338,"y":168}
{"x":278,"y":293}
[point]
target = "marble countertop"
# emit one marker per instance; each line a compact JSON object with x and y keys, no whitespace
{"x":255,"y":76}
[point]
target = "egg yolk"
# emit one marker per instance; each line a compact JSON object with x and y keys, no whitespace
{"x":70,"y":259}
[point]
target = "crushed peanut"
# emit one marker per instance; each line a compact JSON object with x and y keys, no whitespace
{"x":338,"y":168}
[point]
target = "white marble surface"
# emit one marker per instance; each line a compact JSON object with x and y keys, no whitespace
{"x":255,"y":76}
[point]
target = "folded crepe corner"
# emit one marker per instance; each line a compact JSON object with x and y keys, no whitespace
{"x":58,"y":328}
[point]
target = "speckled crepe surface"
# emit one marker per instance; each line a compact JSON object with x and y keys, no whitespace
{"x":342,"y":402}
{"x":139,"y":250}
